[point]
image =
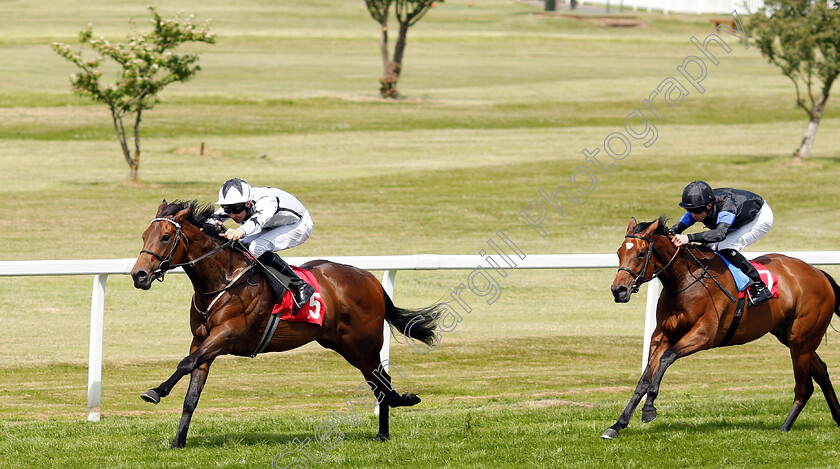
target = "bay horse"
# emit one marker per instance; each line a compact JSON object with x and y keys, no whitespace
{"x":232,"y":303}
{"x":694,"y":313}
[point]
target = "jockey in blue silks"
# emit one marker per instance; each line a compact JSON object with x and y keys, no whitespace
{"x":735,"y":218}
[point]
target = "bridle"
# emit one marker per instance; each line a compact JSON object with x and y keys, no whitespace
{"x":638,"y":279}
{"x":166,"y":264}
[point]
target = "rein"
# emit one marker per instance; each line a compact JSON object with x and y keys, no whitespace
{"x":639,"y":279}
{"x":708,"y":274}
{"x":166,"y":263}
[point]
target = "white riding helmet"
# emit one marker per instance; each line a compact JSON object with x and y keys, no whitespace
{"x":234,"y":191}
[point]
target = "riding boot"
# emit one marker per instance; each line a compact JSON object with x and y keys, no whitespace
{"x":738,"y":260}
{"x":287,"y":280}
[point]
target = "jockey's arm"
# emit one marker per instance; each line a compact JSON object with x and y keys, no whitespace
{"x":715,"y":235}
{"x":685,"y":221}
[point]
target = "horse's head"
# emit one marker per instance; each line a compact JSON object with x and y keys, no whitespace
{"x":638,"y":257}
{"x":164,"y":245}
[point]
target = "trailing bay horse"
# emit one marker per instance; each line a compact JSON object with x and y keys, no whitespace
{"x":694,"y":313}
{"x":232,"y":304}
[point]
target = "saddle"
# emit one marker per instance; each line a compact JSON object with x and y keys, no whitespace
{"x":312,"y":312}
{"x":743,"y":282}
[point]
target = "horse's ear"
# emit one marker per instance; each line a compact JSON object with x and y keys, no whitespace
{"x":161,"y":207}
{"x":180,"y":216}
{"x":631,"y":226}
{"x":652,"y":228}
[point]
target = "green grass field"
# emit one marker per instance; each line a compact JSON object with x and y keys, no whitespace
{"x":498,"y":103}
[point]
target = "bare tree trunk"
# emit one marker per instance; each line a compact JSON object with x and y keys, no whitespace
{"x":132,"y":162}
{"x":135,"y":162}
{"x":388,"y":82}
{"x":804,"y":150}
{"x":383,"y":47}
{"x":120,"y":130}
{"x":392,"y":76}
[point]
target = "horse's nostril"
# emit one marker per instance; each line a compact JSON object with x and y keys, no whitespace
{"x":140,"y":275}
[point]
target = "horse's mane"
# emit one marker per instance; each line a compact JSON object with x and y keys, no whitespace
{"x":662,"y":229}
{"x":198,"y":215}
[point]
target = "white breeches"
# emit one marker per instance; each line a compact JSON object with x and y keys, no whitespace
{"x":751,"y":232}
{"x":282,"y":237}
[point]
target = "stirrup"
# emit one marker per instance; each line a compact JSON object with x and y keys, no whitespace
{"x":761,"y":293}
{"x":301,"y":294}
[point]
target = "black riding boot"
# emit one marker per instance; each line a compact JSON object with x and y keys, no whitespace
{"x":286,"y":280}
{"x":738,"y":260}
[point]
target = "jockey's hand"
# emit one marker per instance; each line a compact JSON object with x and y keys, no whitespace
{"x":233,"y":235}
{"x":680,"y":240}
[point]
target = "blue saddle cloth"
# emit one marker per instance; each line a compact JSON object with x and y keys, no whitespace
{"x":741,"y":279}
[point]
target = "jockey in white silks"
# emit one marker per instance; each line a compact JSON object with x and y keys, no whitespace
{"x":269,"y":220}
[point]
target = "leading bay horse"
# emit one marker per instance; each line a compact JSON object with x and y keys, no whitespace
{"x":694,"y":313}
{"x":232,"y":303}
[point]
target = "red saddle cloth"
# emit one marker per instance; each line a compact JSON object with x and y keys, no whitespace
{"x":767,"y":277}
{"x":312,"y":312}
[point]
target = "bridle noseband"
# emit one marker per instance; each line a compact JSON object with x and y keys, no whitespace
{"x":638,"y":279}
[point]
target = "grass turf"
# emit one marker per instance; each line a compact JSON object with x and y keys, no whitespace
{"x":498,"y":104}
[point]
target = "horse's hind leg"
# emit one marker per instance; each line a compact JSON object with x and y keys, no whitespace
{"x":804,"y":384}
{"x":380,"y":382}
{"x":366,"y":359}
{"x":393,"y":398}
{"x":820,"y":374}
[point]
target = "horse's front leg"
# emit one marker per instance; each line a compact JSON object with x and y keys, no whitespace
{"x":217,"y":343}
{"x":197,"y":379}
{"x":700,"y":337}
{"x":658,"y":344}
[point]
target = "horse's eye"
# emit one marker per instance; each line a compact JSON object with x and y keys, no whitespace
{"x":165,"y":238}
{"x":640,"y":254}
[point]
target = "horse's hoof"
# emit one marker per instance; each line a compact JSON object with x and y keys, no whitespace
{"x":410,"y":399}
{"x":648,"y":415}
{"x":382,"y":438}
{"x":150,"y":396}
{"x":610,"y":434}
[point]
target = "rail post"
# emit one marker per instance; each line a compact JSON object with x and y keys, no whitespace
{"x":97,"y":322}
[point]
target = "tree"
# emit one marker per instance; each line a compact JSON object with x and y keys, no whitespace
{"x":407,"y":13}
{"x":802,"y":37}
{"x":147,"y":65}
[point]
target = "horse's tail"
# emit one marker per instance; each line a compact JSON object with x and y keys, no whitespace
{"x":417,"y":324}
{"x":836,"y":292}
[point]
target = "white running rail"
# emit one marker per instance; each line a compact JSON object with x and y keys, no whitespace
{"x":102,"y":268}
